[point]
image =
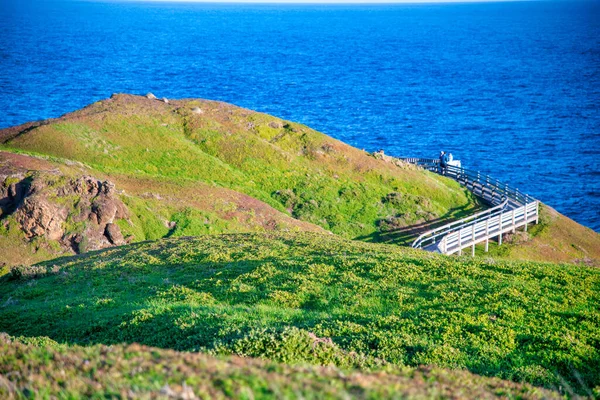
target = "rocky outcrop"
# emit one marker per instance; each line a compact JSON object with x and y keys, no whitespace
{"x":113,"y":234}
{"x":37,"y":216}
{"x":12,"y":193}
{"x":380,"y":155}
{"x":78,"y":213}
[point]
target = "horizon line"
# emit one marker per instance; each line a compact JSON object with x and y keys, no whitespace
{"x":337,"y":2}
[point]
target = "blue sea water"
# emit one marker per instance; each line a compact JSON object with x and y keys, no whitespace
{"x":511,"y":89}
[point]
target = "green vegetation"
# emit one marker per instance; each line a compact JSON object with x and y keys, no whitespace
{"x":288,"y":166}
{"x":142,"y":372}
{"x":240,"y":225}
{"x":231,"y":170}
{"x":556,"y":239}
{"x":366,"y":306}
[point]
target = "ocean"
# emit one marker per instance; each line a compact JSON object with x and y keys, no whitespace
{"x":511,"y":89}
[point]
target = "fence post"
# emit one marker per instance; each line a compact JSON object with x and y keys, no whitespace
{"x":473,"y":235}
{"x":513,"y":221}
{"x":487,"y":235}
{"x":500,"y":233}
{"x":445,"y":244}
{"x":526,"y":219}
{"x":537,"y":212}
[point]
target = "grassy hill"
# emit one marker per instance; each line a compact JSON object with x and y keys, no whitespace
{"x":286,"y":165}
{"x":227,"y":233}
{"x":556,"y":239}
{"x":319,"y":299}
{"x":193,"y":167}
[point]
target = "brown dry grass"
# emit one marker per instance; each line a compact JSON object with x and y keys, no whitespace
{"x":559,"y":239}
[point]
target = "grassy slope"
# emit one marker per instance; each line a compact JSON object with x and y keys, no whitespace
{"x":372,"y":304}
{"x":294,"y":298}
{"x":197,"y":209}
{"x":288,"y":166}
{"x":556,"y":239}
{"x":233,"y":170}
{"x":139,"y":371}
{"x":559,"y":239}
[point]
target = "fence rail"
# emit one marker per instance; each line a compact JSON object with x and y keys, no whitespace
{"x":510,"y":210}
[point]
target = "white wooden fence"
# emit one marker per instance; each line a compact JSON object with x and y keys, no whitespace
{"x":510,"y":210}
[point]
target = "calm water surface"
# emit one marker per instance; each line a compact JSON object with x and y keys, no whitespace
{"x":512,"y":89}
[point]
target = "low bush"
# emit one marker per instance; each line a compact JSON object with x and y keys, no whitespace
{"x":360,"y":305}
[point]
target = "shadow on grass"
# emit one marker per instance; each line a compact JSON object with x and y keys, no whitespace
{"x":196,"y":306}
{"x":406,"y":235}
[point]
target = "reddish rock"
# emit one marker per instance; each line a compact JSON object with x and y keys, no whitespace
{"x":39,"y":212}
{"x":105,"y":209}
{"x":39,"y":217}
{"x":114,"y":235}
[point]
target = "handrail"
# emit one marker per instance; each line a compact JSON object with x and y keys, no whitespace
{"x":483,"y":225}
{"x":446,"y":232}
{"x":460,"y":222}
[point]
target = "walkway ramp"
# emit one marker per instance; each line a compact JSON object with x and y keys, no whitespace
{"x":510,"y":210}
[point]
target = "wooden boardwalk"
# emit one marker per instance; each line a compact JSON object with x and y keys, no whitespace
{"x":510,"y":210}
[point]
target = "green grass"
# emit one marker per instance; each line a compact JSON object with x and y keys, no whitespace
{"x":290,"y":167}
{"x":372,"y":305}
{"x":555,"y":238}
{"x":371,"y":312}
{"x":142,"y":372}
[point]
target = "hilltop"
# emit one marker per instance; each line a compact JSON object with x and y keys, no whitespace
{"x":191,"y":167}
{"x":130,"y":168}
